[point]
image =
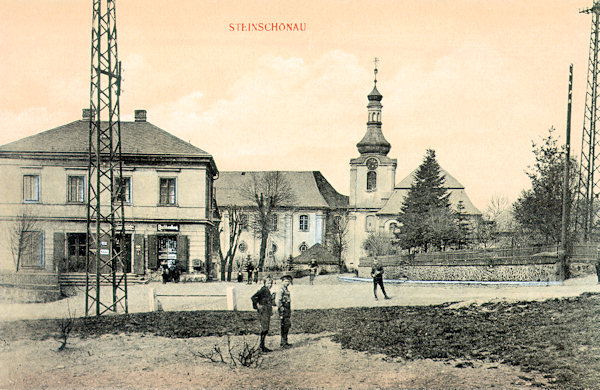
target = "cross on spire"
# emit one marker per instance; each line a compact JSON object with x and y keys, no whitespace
{"x":375,"y":61}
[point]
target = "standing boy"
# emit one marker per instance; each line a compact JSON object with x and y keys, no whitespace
{"x":262,"y":302}
{"x":284,"y":308}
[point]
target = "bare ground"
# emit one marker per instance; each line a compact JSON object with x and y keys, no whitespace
{"x":142,"y":360}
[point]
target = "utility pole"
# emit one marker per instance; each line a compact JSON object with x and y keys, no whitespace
{"x":587,"y":209}
{"x":105,"y":219}
{"x":566,"y":195}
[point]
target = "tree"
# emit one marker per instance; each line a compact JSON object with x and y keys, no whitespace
{"x":464,"y":226}
{"x":379,"y":244}
{"x":267,"y":191}
{"x":498,"y":205}
{"x":426,"y":195}
{"x":21,"y":237}
{"x":538,"y":210}
{"x":442,"y":228}
{"x":233,"y":235}
{"x":339,"y":241}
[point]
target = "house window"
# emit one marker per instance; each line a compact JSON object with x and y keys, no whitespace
{"x":393,"y":227}
{"x":168,"y":191}
{"x":274,"y":221}
{"x":303,"y":247}
{"x":244,"y":221}
{"x":32,"y":254}
{"x":31,"y":188}
{"x":124,"y":188}
{"x":303,"y":225}
{"x":371,"y":180}
{"x":242,"y":246}
{"x":75,"y":189}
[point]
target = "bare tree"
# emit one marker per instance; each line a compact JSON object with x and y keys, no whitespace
{"x":498,"y":204}
{"x":339,"y":239}
{"x":267,"y":191}
{"x":20,"y":235}
{"x":233,"y":235}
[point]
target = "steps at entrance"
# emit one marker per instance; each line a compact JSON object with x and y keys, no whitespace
{"x":78,"y":279}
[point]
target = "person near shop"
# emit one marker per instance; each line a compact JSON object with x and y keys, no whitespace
{"x":284,"y":309}
{"x":377,"y":275}
{"x":263,"y":302}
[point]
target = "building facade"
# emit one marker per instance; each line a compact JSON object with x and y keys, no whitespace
{"x":168,"y":198}
{"x":298,"y":224}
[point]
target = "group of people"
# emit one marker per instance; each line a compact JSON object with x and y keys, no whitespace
{"x":264,"y":300}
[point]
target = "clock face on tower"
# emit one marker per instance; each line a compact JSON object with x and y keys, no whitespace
{"x":372,"y":163}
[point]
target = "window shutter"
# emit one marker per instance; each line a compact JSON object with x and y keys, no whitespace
{"x":59,"y":251}
{"x":183,"y":255}
{"x":152,"y":252}
{"x":138,"y":254}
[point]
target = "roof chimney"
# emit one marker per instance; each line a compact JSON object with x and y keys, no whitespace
{"x":86,"y":114}
{"x":140,"y":115}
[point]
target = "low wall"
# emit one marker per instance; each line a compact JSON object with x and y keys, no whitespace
{"x":496,"y":273}
{"x":29,"y":287}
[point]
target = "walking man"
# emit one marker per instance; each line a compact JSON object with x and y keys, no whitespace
{"x":313,"y":267}
{"x":263,"y":302}
{"x":250,"y":270}
{"x":284,"y":308}
{"x":377,"y":274}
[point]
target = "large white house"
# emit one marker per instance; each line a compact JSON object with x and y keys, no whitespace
{"x":168,"y":197}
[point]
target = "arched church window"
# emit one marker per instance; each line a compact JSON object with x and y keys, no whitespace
{"x":371,"y":180}
{"x":370,"y":223}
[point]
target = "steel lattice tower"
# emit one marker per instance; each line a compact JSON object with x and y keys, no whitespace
{"x":587,"y":208}
{"x":105,"y":219}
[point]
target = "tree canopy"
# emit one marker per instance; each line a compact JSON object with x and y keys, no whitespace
{"x":425,"y":215}
{"x":538,"y":210}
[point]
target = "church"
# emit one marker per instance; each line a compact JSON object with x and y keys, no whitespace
{"x":375,"y":199}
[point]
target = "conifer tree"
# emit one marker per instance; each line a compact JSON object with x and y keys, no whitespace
{"x":425,"y":198}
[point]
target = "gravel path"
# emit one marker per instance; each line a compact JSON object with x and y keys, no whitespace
{"x":327,"y":292}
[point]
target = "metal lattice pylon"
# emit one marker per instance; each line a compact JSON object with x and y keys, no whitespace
{"x":105,"y":219}
{"x":587,"y":207}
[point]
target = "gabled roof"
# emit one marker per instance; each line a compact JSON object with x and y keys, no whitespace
{"x":456,"y":190}
{"x":309,"y":189}
{"x":450,"y":182}
{"x":317,"y":252}
{"x":141,"y":138}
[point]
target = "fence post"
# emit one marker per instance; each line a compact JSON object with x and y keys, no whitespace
{"x":152,"y":300}
{"x":231,"y":298}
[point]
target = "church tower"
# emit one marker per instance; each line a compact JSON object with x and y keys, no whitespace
{"x":372,"y":178}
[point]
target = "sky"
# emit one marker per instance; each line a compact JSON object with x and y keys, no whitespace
{"x":475,"y":80}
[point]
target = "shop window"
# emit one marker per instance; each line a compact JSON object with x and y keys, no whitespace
{"x":32,"y":254}
{"x":31,"y":188}
{"x":76,"y":189}
{"x":168,"y":191}
{"x":371,"y":180}
{"x":167,"y":248}
{"x":303,"y":223}
{"x":76,"y":256}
